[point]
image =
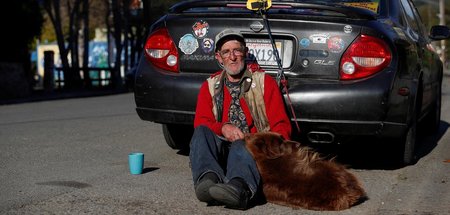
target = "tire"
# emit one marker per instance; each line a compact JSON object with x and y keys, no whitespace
{"x":409,"y":140}
{"x":178,"y":136}
{"x":409,"y":143}
{"x":433,"y":119}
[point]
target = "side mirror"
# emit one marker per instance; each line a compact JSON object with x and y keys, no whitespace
{"x":439,"y":32}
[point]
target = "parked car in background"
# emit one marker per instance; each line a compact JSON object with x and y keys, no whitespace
{"x":354,"y":68}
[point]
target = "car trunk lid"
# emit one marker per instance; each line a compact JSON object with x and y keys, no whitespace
{"x":310,"y":45}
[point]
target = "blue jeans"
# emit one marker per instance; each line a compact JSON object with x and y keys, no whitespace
{"x":228,"y":160}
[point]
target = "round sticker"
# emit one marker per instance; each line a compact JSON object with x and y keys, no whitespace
{"x":348,"y":29}
{"x":200,"y":29}
{"x":304,"y":42}
{"x":207,"y":45}
{"x":336,"y":44}
{"x":188,"y":44}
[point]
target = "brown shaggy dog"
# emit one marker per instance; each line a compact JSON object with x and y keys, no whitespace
{"x":295,"y":176}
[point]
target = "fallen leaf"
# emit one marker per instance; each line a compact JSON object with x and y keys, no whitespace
{"x":447,"y":161}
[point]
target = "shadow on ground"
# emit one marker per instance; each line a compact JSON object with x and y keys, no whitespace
{"x":373,"y":153}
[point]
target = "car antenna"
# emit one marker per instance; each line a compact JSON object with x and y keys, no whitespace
{"x":261,"y":6}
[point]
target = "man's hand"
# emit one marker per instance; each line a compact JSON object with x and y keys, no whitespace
{"x":231,"y":132}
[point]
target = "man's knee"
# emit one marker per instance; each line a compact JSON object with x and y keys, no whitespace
{"x":201,"y":130}
{"x":201,"y":134}
{"x":238,"y":145}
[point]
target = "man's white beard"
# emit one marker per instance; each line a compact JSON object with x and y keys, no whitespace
{"x":234,"y":73}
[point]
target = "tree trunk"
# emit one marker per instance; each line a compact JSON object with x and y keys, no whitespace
{"x":72,"y":78}
{"x":126,"y":27}
{"x":87,"y":79}
{"x":73,"y":34}
{"x":117,"y":34}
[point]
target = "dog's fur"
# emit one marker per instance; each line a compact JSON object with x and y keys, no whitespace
{"x":296,"y":176}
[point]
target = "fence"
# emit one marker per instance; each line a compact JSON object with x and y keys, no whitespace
{"x":97,"y":77}
{"x":93,"y":77}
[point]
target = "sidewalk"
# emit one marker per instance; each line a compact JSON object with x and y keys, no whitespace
{"x":40,"y":95}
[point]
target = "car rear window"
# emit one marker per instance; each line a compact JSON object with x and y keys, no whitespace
{"x":371,"y":5}
{"x":368,"y":5}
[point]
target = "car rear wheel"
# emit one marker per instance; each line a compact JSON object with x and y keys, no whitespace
{"x":178,"y":136}
{"x":409,"y":143}
{"x":409,"y":140}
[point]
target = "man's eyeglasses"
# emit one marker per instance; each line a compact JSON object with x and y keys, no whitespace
{"x":227,"y":53}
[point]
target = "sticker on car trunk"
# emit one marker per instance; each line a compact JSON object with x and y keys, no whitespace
{"x":188,"y":44}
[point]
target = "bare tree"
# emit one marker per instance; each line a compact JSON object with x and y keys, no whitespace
{"x":87,"y":79}
{"x":73,"y":33}
{"x":116,"y":30}
{"x":72,"y":77}
{"x":126,"y":30}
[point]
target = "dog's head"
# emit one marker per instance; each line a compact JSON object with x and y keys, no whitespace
{"x":269,"y":145}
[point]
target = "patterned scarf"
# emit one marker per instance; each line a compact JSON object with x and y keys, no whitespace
{"x":236,"y":114}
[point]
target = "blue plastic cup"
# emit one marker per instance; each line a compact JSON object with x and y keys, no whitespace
{"x":136,"y":162}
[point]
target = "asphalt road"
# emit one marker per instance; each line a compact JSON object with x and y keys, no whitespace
{"x":70,"y":157}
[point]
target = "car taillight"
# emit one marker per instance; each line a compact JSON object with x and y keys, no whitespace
{"x":367,"y":55}
{"x":161,"y":51}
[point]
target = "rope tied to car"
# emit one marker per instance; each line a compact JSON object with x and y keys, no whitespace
{"x":261,"y":6}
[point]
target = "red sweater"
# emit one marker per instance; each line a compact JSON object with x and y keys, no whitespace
{"x":275,"y":109}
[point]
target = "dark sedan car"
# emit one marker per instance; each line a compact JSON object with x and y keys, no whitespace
{"x":354,"y":68}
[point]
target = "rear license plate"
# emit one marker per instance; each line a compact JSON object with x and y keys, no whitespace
{"x":262,"y":51}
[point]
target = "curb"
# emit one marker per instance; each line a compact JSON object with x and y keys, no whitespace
{"x":37,"y":96}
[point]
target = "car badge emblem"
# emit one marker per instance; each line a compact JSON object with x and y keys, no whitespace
{"x":324,"y":62}
{"x":256,"y":27}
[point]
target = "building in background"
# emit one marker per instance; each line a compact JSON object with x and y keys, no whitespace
{"x":98,"y":58}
